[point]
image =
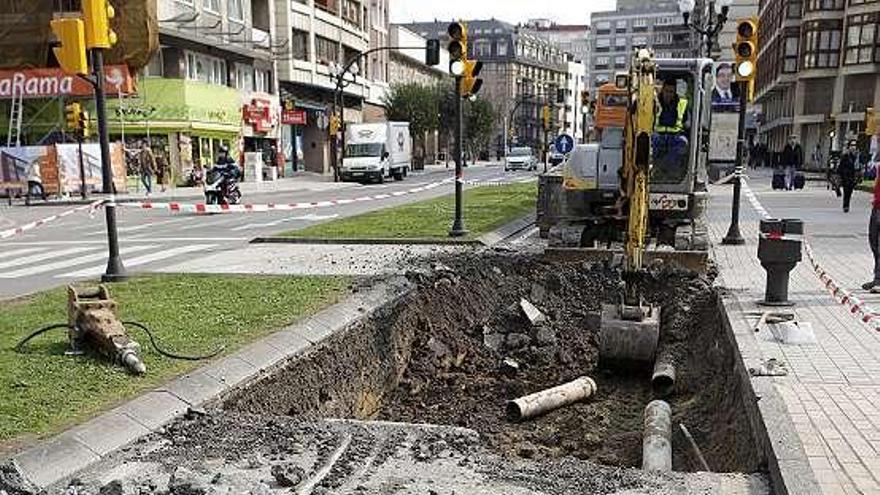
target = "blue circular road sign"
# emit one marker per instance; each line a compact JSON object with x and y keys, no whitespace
{"x":564,"y":143}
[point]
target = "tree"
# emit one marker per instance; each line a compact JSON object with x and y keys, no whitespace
{"x":418,"y":105}
{"x":480,"y":122}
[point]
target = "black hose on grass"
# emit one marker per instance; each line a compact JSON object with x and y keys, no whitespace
{"x":143,"y":327}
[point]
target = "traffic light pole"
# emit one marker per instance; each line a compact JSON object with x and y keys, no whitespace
{"x":115,"y":269}
{"x":733,"y":236}
{"x":458,"y":229}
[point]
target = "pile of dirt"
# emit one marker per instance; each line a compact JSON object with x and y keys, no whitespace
{"x":463,"y":369}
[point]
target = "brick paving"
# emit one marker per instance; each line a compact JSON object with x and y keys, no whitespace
{"x":832,"y":391}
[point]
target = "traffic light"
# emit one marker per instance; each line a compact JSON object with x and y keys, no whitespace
{"x":72,"y":113}
{"x":457,"y":48}
{"x":585,"y":98}
{"x":84,"y":124}
{"x":470,"y":84}
{"x":70,"y":45}
{"x":334,"y":125}
{"x":545,"y":116}
{"x":96,"y":16}
{"x":432,"y":57}
{"x":746,"y":52}
{"x":870,"y":122}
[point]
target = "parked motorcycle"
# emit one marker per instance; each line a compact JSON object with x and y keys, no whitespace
{"x":221,"y":185}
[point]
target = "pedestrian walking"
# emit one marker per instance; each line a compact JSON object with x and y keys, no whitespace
{"x":874,"y":238}
{"x":162,"y":174}
{"x":792,"y":160}
{"x":847,"y":171}
{"x":147,"y":162}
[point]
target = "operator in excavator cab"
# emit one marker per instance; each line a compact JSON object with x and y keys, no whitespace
{"x":671,"y":130}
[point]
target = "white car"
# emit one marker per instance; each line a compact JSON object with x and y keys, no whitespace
{"x":521,"y":158}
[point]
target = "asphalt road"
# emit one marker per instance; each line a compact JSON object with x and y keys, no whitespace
{"x":75,"y":247}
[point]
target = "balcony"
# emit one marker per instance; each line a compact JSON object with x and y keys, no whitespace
{"x":261,"y":39}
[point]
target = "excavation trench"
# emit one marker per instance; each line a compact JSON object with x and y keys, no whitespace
{"x":455,"y":349}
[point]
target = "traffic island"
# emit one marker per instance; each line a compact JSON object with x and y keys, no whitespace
{"x":412,"y":396}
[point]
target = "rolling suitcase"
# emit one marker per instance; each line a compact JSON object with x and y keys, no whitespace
{"x":778,"y":180}
{"x":799,"y":180}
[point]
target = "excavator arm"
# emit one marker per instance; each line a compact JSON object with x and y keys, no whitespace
{"x":637,"y":154}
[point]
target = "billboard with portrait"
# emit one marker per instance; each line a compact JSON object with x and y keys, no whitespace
{"x":725,"y":94}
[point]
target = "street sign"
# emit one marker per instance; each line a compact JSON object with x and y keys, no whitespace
{"x":564,"y":143}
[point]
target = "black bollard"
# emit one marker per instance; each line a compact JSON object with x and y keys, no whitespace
{"x":779,"y":249}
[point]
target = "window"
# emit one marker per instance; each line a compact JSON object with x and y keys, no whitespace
{"x":501,"y":48}
{"x":603,"y":27}
{"x":790,"y":55}
{"x":483,"y":48}
{"x":299,"y":43}
{"x":862,"y":2}
{"x":620,"y":25}
{"x":191,"y":69}
{"x":861,"y":38}
{"x":326,"y":50}
{"x":620,"y":62}
{"x":206,"y":69}
{"x":155,"y":66}
{"x":244,"y":77}
{"x":263,"y":80}
{"x":602,"y":62}
{"x":218,"y":73}
{"x":667,"y":21}
{"x":794,"y":8}
{"x":821,"y":44}
{"x":211,"y":5}
{"x":351,"y":12}
{"x":620,"y":43}
{"x":236,"y":10}
{"x":815,"y":5}
{"x":603,"y":42}
{"x":640,"y":24}
{"x":640,"y":41}
{"x":663,"y":39}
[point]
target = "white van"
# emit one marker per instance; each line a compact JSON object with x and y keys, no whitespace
{"x":376,"y":151}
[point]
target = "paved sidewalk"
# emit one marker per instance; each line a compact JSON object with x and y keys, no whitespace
{"x":832,"y":391}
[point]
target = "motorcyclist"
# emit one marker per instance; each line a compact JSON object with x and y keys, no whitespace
{"x":226,"y":164}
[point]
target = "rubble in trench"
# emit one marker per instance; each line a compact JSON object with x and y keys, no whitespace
{"x":451,"y":353}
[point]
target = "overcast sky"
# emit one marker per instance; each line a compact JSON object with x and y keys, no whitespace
{"x":513,"y":11}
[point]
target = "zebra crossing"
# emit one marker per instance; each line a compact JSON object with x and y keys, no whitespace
{"x":63,"y":261}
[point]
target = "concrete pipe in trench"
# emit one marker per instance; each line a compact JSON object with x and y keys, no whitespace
{"x":663,"y":378}
{"x":657,"y":440}
{"x":548,"y":400}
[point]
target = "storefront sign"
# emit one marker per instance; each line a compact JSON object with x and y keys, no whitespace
{"x":293,"y":117}
{"x":47,"y":83}
{"x":259,"y":115}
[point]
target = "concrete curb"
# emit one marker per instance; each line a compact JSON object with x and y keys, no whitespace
{"x":508,"y":230}
{"x":779,"y":444}
{"x":387,"y":241}
{"x":60,"y":457}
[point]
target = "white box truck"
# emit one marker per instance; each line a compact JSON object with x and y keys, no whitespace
{"x":376,"y":151}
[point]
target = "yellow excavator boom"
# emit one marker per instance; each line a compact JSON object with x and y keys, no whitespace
{"x":637,"y":155}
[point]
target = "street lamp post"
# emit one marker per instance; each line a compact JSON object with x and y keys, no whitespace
{"x":711,"y":26}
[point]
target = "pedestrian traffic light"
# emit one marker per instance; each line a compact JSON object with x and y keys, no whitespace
{"x":70,"y":45}
{"x":470,"y":84}
{"x":432,"y":57}
{"x":457,"y":48}
{"x":96,"y":16}
{"x":870,"y":122}
{"x":746,"y":52}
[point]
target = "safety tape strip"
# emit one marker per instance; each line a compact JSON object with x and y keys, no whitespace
{"x":21,"y":229}
{"x":856,"y":306}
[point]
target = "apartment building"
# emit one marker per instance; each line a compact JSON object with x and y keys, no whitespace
{"x":818,"y":70}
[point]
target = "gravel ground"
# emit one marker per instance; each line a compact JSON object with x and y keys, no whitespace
{"x":243,"y":454}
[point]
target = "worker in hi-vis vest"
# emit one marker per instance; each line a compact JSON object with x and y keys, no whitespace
{"x":671,"y":129}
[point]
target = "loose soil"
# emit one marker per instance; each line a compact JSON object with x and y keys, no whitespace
{"x":437,"y":356}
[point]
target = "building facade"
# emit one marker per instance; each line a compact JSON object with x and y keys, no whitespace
{"x":818,"y":70}
{"x":522,"y":72}
{"x":316,"y":39}
{"x":635,"y":24}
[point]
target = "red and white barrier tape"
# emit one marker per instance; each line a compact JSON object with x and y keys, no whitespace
{"x":844,"y":297}
{"x":204,"y":208}
{"x":4,"y":234}
{"x":856,"y":306}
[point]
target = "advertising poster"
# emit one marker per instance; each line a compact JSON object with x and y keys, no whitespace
{"x":725,"y":114}
{"x":68,"y":165}
{"x":20,"y":162}
{"x":725,"y":94}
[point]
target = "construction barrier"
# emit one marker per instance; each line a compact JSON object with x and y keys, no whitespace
{"x":43,"y":221}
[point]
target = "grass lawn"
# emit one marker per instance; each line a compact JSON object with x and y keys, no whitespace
{"x":42,"y":391}
{"x":485,"y":209}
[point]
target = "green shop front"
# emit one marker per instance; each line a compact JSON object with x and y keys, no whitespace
{"x":185,"y":122}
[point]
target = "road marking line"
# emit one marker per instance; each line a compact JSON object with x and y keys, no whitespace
{"x":304,"y":218}
{"x":35,"y":270}
{"x":18,"y":252}
{"x":27,"y":260}
{"x":141,"y":260}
